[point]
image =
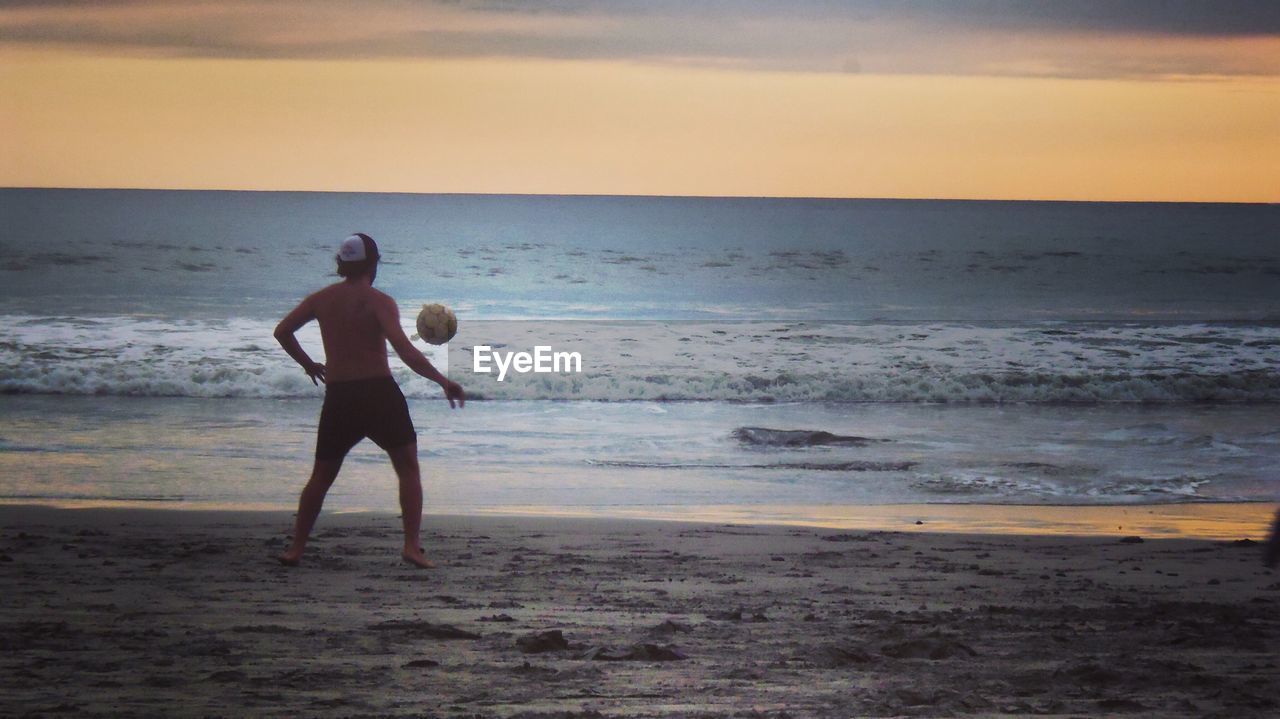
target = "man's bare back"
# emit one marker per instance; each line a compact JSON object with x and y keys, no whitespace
{"x":354,"y":342}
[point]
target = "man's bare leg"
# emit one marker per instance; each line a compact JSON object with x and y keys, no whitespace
{"x":405,"y":461}
{"x":309,"y":504}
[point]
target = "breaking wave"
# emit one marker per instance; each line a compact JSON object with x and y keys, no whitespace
{"x":733,"y":362}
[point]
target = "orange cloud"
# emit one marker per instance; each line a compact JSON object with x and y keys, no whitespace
{"x":1069,"y":38}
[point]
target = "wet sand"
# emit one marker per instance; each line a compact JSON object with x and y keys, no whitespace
{"x":116,"y":612}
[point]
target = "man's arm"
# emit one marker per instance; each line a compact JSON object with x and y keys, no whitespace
{"x":389,"y":319}
{"x":302,"y":314}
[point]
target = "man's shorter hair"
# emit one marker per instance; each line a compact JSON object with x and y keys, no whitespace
{"x":356,"y":268}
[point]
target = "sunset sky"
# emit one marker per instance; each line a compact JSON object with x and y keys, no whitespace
{"x":1067,"y":99}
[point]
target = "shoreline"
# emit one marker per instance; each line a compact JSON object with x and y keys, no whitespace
{"x":1190,"y":520}
{"x":139,"y":612}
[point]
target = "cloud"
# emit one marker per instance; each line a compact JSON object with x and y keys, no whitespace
{"x":1154,"y":17}
{"x":1062,"y":38}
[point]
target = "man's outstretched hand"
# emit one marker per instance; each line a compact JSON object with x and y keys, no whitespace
{"x":453,"y":392}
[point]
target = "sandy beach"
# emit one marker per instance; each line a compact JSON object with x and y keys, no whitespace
{"x":122,"y":612}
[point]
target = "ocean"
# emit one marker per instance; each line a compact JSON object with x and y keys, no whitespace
{"x":788,"y":358}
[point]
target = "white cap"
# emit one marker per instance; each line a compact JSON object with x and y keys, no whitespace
{"x":352,"y":249}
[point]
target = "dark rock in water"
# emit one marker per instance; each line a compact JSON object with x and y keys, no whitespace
{"x":635,"y":653}
{"x":1244,"y":543}
{"x":421,"y":663}
{"x":497,"y":618}
{"x":1131,"y":540}
{"x":549,"y":641}
{"x":417,"y":629}
{"x":765,"y":437}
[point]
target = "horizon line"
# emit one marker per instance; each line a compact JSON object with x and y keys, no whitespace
{"x":649,"y":196}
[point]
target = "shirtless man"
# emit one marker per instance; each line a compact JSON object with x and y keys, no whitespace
{"x":361,"y":399}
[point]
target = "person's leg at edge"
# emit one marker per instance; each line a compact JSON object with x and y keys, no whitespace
{"x":309,"y":504}
{"x":405,"y":461}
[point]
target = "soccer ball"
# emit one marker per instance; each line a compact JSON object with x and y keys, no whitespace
{"x":437,"y":324}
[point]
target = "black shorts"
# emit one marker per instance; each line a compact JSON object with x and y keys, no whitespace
{"x":373,"y":408}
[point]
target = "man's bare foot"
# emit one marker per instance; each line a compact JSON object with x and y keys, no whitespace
{"x":417,"y":558}
{"x":290,"y":558}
